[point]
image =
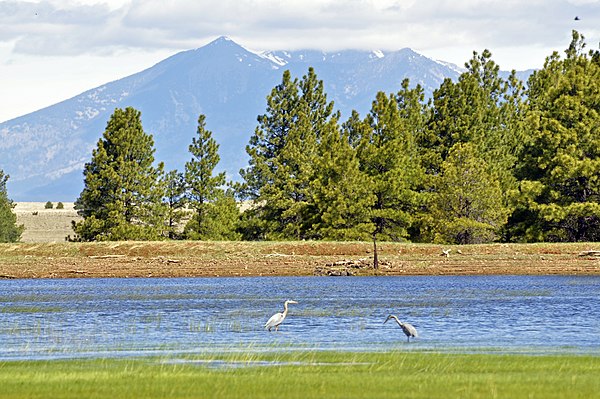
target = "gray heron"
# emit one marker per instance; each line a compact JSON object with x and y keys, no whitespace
{"x":408,"y":329}
{"x":278,"y":318}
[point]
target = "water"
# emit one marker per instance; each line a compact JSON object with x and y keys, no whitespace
{"x":46,"y":319}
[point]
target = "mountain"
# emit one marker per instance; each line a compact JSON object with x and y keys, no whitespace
{"x":44,"y":152}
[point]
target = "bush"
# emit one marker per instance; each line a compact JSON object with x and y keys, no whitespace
{"x":49,"y":205}
{"x":60,"y":205}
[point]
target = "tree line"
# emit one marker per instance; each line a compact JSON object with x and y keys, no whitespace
{"x":485,"y":159}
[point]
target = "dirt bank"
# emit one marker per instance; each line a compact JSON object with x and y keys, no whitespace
{"x":209,"y":259}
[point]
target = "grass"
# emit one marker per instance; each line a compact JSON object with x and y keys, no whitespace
{"x":308,"y":375}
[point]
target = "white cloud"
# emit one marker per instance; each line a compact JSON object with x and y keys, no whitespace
{"x":108,"y":33}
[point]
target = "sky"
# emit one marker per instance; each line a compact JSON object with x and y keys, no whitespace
{"x":55,"y":49}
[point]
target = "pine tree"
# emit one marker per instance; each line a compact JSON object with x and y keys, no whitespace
{"x":560,"y":169}
{"x":269,"y":138}
{"x":175,"y":202}
{"x":415,"y":113}
{"x":342,"y":193}
{"x":282,"y":154}
{"x":468,"y":206}
{"x":481,"y":108}
{"x":202,"y":187}
{"x":387,"y":154}
{"x":221,"y":222}
{"x":216,"y":214}
{"x":9,"y":230}
{"x":122,"y":196}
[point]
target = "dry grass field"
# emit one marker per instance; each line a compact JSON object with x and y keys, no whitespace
{"x":45,"y":225}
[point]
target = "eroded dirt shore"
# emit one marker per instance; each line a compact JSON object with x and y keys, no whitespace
{"x":211,"y":259}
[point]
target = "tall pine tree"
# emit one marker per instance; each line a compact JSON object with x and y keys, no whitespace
{"x":215,"y":212}
{"x":122,"y":196}
{"x":560,"y":168}
{"x":282,"y":154}
{"x":387,"y":154}
{"x":342,"y":193}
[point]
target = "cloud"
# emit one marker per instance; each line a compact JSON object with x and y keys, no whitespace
{"x":101,"y":27}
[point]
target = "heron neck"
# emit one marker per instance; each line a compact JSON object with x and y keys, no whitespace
{"x":285,"y":308}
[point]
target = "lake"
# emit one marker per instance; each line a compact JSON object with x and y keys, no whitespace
{"x":48,"y":319}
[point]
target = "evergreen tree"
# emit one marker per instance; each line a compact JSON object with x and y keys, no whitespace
{"x":221,"y":222}
{"x":202,"y":187}
{"x":342,"y":192}
{"x":415,"y":114}
{"x":387,"y":154}
{"x":9,"y":231}
{"x":175,"y":202}
{"x":482,"y":109}
{"x":282,"y":154}
{"x":560,"y":168}
{"x":122,"y":196}
{"x":215,"y":211}
{"x":468,"y":206}
{"x":270,"y":137}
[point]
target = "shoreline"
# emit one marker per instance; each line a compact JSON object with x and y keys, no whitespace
{"x":255,"y":259}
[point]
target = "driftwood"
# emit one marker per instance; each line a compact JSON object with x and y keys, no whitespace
{"x":106,"y":256}
{"x":345,"y":267}
{"x":590,"y":253}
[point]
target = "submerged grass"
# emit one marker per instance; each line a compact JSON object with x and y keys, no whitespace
{"x":308,"y":374}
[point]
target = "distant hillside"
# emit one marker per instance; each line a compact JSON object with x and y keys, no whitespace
{"x":44,"y":152}
{"x":45,"y":225}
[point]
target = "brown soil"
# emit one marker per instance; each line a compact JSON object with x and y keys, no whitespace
{"x":209,"y":259}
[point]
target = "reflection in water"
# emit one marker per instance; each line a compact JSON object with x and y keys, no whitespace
{"x":132,"y":317}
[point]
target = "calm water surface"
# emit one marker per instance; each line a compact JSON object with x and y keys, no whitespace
{"x":42,"y":319}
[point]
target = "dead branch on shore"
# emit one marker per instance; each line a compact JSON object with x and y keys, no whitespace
{"x":590,"y":253}
{"x":106,"y":256}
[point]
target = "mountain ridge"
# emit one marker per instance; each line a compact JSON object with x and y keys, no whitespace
{"x":44,"y":151}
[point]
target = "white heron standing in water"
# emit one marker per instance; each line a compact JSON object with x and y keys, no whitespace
{"x":408,"y":329}
{"x":278,"y":318}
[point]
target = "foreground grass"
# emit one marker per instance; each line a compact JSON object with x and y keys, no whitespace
{"x":308,"y":375}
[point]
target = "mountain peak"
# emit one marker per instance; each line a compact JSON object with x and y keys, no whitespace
{"x":45,"y":151}
{"x":223,"y":42}
{"x":220,"y":40}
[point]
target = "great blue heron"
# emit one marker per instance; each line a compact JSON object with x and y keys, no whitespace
{"x":408,"y":329}
{"x":278,"y":318}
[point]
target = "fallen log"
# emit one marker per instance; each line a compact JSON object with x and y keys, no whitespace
{"x":590,"y":253}
{"x":106,"y":256}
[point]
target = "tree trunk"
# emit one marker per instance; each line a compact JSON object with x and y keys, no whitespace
{"x":375,"y":259}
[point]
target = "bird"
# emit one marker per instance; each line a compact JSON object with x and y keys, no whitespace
{"x":408,"y":329}
{"x":577,"y":18}
{"x":278,"y":318}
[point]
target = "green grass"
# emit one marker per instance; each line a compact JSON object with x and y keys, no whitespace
{"x":308,"y":375}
